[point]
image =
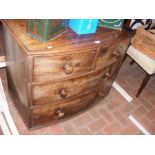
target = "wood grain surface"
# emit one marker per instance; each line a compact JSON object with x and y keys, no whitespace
{"x":54,"y":80}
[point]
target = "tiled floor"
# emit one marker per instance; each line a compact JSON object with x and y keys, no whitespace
{"x":109,"y":116}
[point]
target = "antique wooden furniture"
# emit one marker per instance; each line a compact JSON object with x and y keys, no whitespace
{"x":142,"y":51}
{"x":50,"y":81}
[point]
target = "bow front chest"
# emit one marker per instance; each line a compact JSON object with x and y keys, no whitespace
{"x":53,"y":80}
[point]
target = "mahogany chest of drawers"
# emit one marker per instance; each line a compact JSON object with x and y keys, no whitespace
{"x":50,"y":81}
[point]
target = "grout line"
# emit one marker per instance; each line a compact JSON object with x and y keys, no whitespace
{"x":138,"y":125}
{"x":122,"y":92}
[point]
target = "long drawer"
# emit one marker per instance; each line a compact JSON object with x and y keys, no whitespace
{"x":53,"y":92}
{"x":42,"y":115}
{"x":60,"y":66}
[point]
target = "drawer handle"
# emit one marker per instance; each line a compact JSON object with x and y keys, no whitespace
{"x":107,"y":75}
{"x":100,"y":94}
{"x":60,"y":113}
{"x":63,"y":93}
{"x":68,"y":68}
{"x":117,"y":54}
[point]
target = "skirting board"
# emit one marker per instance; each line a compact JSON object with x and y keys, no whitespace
{"x":7,"y":125}
{"x":138,"y":125}
{"x":2,"y":61}
{"x":2,"y":64}
{"x":122,"y":92}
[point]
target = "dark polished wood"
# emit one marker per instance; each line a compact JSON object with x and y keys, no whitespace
{"x":53,"y":112}
{"x":146,"y":79}
{"x":54,"y":67}
{"x":132,"y":62}
{"x":51,"y":81}
{"x":52,"y":92}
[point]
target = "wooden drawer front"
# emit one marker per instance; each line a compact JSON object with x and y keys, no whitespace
{"x":51,"y":113}
{"x":56,"y":67}
{"x":109,"y":55}
{"x":110,"y":75}
{"x":53,"y":92}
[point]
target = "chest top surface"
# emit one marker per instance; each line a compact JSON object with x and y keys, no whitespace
{"x":67,"y":42}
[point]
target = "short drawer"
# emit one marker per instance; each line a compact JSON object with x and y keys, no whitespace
{"x":109,"y":55}
{"x":56,"y":67}
{"x":47,"y":114}
{"x":57,"y":91}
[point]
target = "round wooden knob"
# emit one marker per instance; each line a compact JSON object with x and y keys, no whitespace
{"x":100,"y":94}
{"x":117,"y":54}
{"x":60,"y":113}
{"x":68,"y":58}
{"x":63,"y":93}
{"x":107,"y":75}
{"x":68,"y":68}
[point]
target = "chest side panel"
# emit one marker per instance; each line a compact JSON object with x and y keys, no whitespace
{"x":17,"y":72}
